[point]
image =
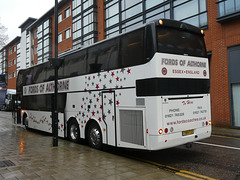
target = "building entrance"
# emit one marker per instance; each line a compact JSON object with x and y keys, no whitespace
{"x":234,"y":84}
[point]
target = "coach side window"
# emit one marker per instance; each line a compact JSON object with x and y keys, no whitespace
{"x":40,"y":74}
{"x":113,"y":53}
{"x":132,"y":48}
{"x":73,"y":65}
{"x":104,"y":53}
{"x":104,"y":56}
{"x":92,"y":60}
{"x":50,"y":72}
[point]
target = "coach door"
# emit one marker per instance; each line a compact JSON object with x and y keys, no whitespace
{"x":109,"y":116}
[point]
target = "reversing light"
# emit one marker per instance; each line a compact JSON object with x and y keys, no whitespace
{"x":160,"y":131}
{"x":160,"y":22}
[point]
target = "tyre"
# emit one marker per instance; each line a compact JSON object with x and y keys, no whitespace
{"x":94,"y":136}
{"x":73,"y":131}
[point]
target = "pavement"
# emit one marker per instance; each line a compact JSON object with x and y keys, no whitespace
{"x":30,"y":155}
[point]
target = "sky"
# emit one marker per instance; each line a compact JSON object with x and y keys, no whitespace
{"x":15,"y":12}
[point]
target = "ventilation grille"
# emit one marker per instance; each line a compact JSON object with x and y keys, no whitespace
{"x":131,"y":126}
{"x":6,"y":163}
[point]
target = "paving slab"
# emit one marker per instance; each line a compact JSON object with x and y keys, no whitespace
{"x":32,"y":156}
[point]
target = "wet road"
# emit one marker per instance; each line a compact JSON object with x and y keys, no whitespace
{"x":217,"y":157}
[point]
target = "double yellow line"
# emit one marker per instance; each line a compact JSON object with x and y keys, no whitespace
{"x":179,"y":172}
{"x":176,"y":171}
{"x":184,"y":173}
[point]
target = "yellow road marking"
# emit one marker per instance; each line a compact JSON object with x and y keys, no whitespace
{"x":179,"y":172}
{"x":225,"y":137}
{"x":197,"y":175}
{"x":188,"y":176}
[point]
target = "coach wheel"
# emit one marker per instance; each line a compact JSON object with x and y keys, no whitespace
{"x":73,"y":131}
{"x":95,"y":136}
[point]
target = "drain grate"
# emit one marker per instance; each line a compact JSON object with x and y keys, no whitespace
{"x":6,"y":163}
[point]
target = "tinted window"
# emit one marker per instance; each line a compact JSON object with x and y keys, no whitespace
{"x":103,"y":56}
{"x":173,"y":41}
{"x":172,"y":86}
{"x":73,"y":65}
{"x":132,"y":48}
{"x":93,"y":63}
{"x":43,"y":102}
{"x":40,"y":74}
{"x":50,"y":72}
{"x":109,"y":54}
{"x":113,"y":62}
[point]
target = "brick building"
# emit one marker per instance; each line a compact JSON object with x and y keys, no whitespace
{"x":83,"y":22}
{"x":223,"y":44}
{"x":8,"y":58}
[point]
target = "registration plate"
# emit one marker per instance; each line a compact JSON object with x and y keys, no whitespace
{"x":185,"y":133}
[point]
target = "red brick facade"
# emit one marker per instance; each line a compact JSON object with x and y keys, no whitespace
{"x":220,"y":36}
{"x":12,"y":66}
{"x":101,"y":20}
{"x":66,"y":23}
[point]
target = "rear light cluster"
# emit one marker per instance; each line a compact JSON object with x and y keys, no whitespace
{"x":207,"y":123}
{"x":166,"y":130}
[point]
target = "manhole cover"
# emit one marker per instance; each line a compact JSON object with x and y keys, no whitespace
{"x":6,"y":163}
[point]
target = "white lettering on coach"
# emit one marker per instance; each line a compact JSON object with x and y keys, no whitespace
{"x":46,"y":88}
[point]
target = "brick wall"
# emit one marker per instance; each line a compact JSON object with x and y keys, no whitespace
{"x":12,"y":66}
{"x":218,"y":38}
{"x":66,"y":23}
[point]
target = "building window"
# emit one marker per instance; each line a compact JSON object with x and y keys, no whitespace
{"x":35,"y":50}
{"x":35,"y":34}
{"x":10,"y":64}
{"x":59,"y":37}
{"x":84,"y":22}
{"x":14,"y":62}
{"x":67,"y":12}
{"x":10,"y":51}
{"x":43,"y":48}
{"x":192,"y":12}
{"x":68,"y":33}
{"x":229,"y":8}
{"x":125,"y":15}
{"x":10,"y":76}
{"x":60,"y":18}
{"x":14,"y":74}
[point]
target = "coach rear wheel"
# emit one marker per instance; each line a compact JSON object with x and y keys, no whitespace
{"x":73,"y":131}
{"x":95,"y":136}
